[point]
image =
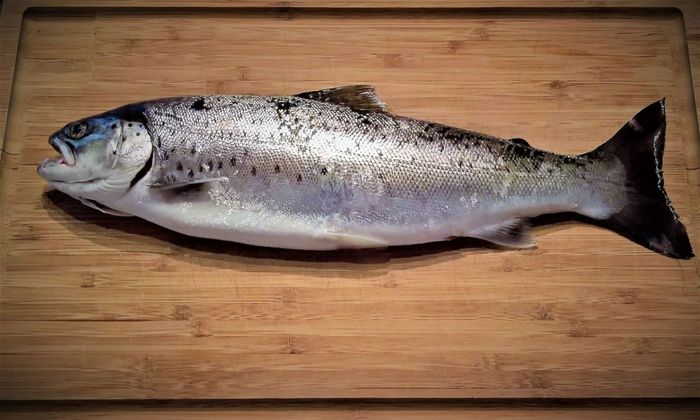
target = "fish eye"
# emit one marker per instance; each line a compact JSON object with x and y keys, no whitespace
{"x":77,"y":131}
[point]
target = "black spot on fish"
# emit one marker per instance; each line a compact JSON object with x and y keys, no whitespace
{"x":536,"y":163}
{"x":299,"y":178}
{"x":253,"y":171}
{"x":296,"y":120}
{"x":233,"y":161}
{"x":324,"y":171}
{"x":201,"y":169}
{"x":441,"y":147}
{"x":190,"y":173}
{"x":211,"y":165}
{"x":114,"y":126}
{"x":284,"y":106}
{"x":140,"y":125}
{"x":131,"y":125}
{"x":138,"y":134}
{"x":461,"y":163}
{"x":179,"y":166}
{"x":194,"y":150}
{"x":220,"y":165}
{"x":277,"y":169}
{"x":198,"y":105}
{"x":114,"y":152}
{"x":165,"y":155}
{"x":159,"y":142}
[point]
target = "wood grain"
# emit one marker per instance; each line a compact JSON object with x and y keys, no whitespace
{"x":354,"y":411}
{"x":98,"y":307}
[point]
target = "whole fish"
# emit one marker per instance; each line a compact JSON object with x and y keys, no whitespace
{"x":334,"y":169}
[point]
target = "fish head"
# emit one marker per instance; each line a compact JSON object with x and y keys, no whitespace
{"x":99,"y":157}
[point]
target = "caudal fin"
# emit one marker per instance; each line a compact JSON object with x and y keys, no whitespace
{"x":647,"y":217}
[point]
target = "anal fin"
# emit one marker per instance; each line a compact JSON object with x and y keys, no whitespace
{"x":511,"y":233}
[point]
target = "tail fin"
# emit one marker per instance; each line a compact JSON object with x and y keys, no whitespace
{"x":647,"y":218}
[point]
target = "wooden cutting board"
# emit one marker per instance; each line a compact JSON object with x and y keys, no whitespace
{"x":98,"y":307}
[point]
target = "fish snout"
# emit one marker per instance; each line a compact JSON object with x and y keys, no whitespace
{"x":67,"y":151}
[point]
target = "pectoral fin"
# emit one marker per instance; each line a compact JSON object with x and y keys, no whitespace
{"x":162,"y":185}
{"x":512,"y":233}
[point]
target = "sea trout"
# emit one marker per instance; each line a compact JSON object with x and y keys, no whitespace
{"x":335,"y":169}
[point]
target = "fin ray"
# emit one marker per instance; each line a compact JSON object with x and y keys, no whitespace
{"x":347,"y":240}
{"x":647,"y":216}
{"x":102,"y":208}
{"x":357,"y":97}
{"x":168,"y":186}
{"x":513,"y":233}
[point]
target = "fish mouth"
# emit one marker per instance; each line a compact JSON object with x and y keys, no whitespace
{"x":65,"y":149}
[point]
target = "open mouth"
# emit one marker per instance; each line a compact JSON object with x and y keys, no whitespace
{"x":67,"y":153}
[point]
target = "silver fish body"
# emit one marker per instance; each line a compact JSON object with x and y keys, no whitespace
{"x":333,"y":169}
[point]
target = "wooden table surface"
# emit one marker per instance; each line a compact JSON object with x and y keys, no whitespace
{"x":97,"y":307}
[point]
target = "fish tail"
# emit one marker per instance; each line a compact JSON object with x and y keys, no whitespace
{"x":646,"y":215}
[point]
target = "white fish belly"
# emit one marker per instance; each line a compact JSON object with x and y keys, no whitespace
{"x":365,"y":223}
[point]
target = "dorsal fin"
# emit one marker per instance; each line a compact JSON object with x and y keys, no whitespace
{"x":519,"y":141}
{"x":357,"y":97}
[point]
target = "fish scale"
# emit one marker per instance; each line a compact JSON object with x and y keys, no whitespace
{"x":376,"y":153}
{"x":351,"y":170}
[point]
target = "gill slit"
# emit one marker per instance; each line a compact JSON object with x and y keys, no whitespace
{"x":144,"y":170}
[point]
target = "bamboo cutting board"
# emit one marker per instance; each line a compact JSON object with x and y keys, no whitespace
{"x":97,"y":307}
